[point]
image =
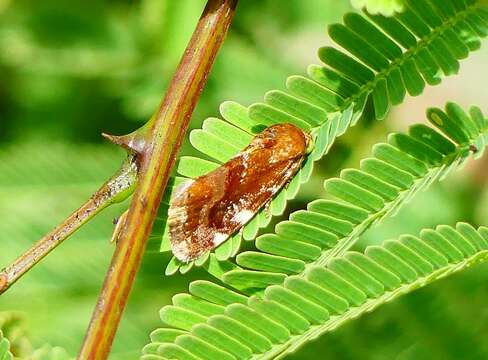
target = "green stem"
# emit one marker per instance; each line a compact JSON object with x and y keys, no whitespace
{"x":116,"y":189}
{"x":163,"y":137}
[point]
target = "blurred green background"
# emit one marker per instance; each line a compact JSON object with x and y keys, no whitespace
{"x":72,"y":69}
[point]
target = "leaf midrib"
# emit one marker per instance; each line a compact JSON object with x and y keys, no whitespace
{"x":279,"y":351}
{"x":408,"y":54}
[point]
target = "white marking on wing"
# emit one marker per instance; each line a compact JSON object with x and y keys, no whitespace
{"x":181,"y":251}
{"x":243,"y":216}
{"x":219,"y":238}
{"x":177,"y":215}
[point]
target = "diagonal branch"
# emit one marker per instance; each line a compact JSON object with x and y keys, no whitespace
{"x":162,"y":139}
{"x":116,"y":189}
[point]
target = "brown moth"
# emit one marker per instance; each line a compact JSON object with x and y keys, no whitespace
{"x":206,"y":211}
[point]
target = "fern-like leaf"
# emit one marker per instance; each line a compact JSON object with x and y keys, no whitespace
{"x":214,"y":322}
{"x":317,"y":239}
{"x":385,"y":59}
{"x":396,"y":172}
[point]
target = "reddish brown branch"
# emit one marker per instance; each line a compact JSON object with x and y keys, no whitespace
{"x":163,"y":138}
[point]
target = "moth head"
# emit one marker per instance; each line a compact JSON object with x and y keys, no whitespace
{"x":286,"y":141}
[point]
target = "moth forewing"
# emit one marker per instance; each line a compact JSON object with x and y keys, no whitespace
{"x":206,"y":211}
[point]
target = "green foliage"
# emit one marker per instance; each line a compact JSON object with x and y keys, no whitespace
{"x":429,"y":323}
{"x":48,"y":352}
{"x":5,"y":353}
{"x":311,"y":283}
{"x":71,"y":70}
{"x":14,"y":343}
{"x":303,"y":282}
{"x":12,"y":329}
{"x":213,"y":319}
{"x":383,"y":7}
{"x":333,"y":97}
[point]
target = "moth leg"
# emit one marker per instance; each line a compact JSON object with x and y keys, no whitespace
{"x":118,"y":222}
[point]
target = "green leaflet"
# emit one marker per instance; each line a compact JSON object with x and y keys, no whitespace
{"x":303,"y":277}
{"x":384,"y":7}
{"x":5,"y":353}
{"x":322,"y":299}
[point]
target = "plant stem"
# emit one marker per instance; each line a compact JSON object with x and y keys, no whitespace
{"x":163,"y":139}
{"x":116,"y":189}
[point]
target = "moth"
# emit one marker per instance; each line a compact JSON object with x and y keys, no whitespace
{"x":206,"y":211}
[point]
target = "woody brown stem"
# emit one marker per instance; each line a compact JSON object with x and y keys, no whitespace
{"x":115,"y":189}
{"x":163,"y":139}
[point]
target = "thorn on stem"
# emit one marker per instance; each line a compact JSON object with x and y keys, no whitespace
{"x":132,"y":142}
